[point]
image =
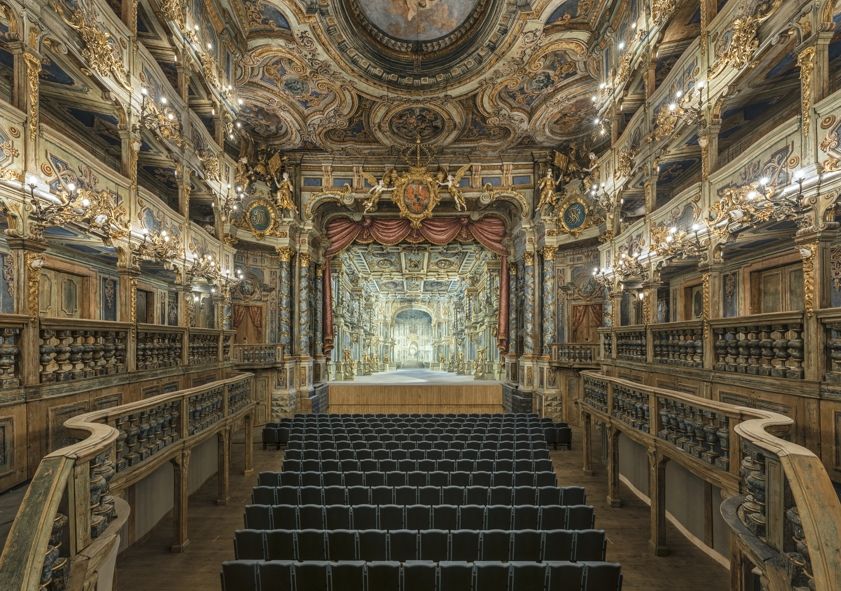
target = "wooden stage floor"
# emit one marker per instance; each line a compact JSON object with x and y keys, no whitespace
{"x":415,"y":391}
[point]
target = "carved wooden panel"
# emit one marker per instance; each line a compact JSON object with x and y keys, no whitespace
{"x":62,"y":295}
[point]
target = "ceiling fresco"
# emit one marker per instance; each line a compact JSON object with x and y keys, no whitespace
{"x":417,"y":19}
{"x":483,"y":75}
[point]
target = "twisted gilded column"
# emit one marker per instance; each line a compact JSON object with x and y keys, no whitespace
{"x":529,"y":287}
{"x":284,"y":317}
{"x":550,"y":311}
{"x":302,"y":293}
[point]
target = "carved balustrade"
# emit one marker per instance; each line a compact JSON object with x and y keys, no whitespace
{"x":203,"y":346}
{"x":631,"y":343}
{"x":831,"y":323}
{"x":74,"y":349}
{"x":574,"y":353}
{"x":762,"y":345}
{"x":263,"y":354}
{"x":606,"y":337}
{"x":782,"y":507}
{"x":630,"y":406}
{"x":159,"y":346}
{"x":595,"y":392}
{"x":11,"y":330}
{"x":74,"y":488}
{"x":678,"y":343}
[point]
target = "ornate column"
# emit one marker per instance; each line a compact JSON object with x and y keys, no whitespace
{"x":318,"y":323}
{"x":649,"y":187}
{"x":284,"y":317}
{"x":184,"y":189}
{"x":529,"y":303}
{"x":27,"y":260}
{"x":26,"y":86}
{"x":127,"y":301}
{"x":303,"y":336}
{"x":550,"y":304}
{"x":816,"y":255}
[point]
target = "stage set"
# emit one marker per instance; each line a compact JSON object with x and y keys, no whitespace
{"x":405,"y":391}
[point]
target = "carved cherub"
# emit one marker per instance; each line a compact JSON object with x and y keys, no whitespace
{"x":452,"y":184}
{"x":378,"y":187}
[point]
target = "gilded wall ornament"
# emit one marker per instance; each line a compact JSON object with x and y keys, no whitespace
{"x":624,"y":163}
{"x":260,"y":218}
{"x":33,"y":72}
{"x":174,"y":10}
{"x":33,"y":261}
{"x":806,"y":63}
{"x":100,"y":55}
{"x":808,"y":253}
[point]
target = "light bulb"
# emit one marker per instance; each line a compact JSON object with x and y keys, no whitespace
{"x":164,"y":100}
{"x":621,"y":45}
{"x":86,"y":202}
{"x":764,"y":181}
{"x":71,"y":187}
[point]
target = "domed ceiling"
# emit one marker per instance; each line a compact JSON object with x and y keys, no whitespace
{"x":464,"y":75}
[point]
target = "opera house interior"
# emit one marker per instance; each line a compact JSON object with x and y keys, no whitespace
{"x":420,"y":295}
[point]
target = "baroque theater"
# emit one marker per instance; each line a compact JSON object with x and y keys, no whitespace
{"x":420,"y":295}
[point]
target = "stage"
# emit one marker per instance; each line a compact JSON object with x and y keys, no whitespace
{"x":415,"y":391}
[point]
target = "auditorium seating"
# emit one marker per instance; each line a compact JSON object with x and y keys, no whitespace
{"x":425,"y":544}
{"x":418,"y":502}
{"x":380,"y":575}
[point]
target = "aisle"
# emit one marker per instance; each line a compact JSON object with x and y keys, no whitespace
{"x":416,"y":376}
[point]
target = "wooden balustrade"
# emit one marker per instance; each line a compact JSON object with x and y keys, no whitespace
{"x":631,"y":343}
{"x":678,"y":343}
{"x":74,"y":349}
{"x":203,"y":346}
{"x":11,"y":367}
{"x":159,"y":346}
{"x":574,"y":353}
{"x":256,"y":355}
{"x":761,"y":345}
{"x":781,"y":508}
{"x":71,"y":516}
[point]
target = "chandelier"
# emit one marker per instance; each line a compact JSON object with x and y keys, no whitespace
{"x":161,"y":118}
{"x":96,"y":209}
{"x":205,"y":267}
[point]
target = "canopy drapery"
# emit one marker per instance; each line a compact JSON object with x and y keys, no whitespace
{"x":488,"y":231}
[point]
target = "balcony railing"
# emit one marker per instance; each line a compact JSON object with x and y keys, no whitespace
{"x":678,"y":343}
{"x":762,"y":345}
{"x":262,"y":354}
{"x":782,"y":510}
{"x":70,"y":518}
{"x":575,"y":353}
{"x":631,"y":343}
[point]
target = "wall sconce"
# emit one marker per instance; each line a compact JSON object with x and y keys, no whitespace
{"x":158,"y":246}
{"x":160,"y":118}
{"x":681,"y":111}
{"x":74,"y":204}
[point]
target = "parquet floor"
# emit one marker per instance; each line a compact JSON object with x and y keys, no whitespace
{"x":149,"y":565}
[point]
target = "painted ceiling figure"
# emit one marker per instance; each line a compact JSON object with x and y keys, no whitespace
{"x":415,"y":6}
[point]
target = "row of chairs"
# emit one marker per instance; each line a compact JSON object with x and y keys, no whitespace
{"x":379,"y":417}
{"x":411,"y":442}
{"x":467,"y":429}
{"x":404,"y":466}
{"x":417,"y":495}
{"x":429,"y":544}
{"x":416,"y":478}
{"x":416,"y":454}
{"x":253,"y":575}
{"x":392,"y":517}
{"x":405,"y":435}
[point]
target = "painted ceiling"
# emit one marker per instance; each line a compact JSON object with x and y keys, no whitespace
{"x":422,"y":269}
{"x":372,"y":74}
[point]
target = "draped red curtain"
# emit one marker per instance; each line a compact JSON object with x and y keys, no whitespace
{"x":488,"y":231}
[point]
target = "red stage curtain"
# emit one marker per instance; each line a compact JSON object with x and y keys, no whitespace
{"x":488,"y":231}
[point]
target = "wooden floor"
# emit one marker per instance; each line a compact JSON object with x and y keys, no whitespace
{"x":148,"y":565}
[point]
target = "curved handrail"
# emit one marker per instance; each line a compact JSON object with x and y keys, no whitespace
{"x":71,"y":485}
{"x":754,"y":447}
